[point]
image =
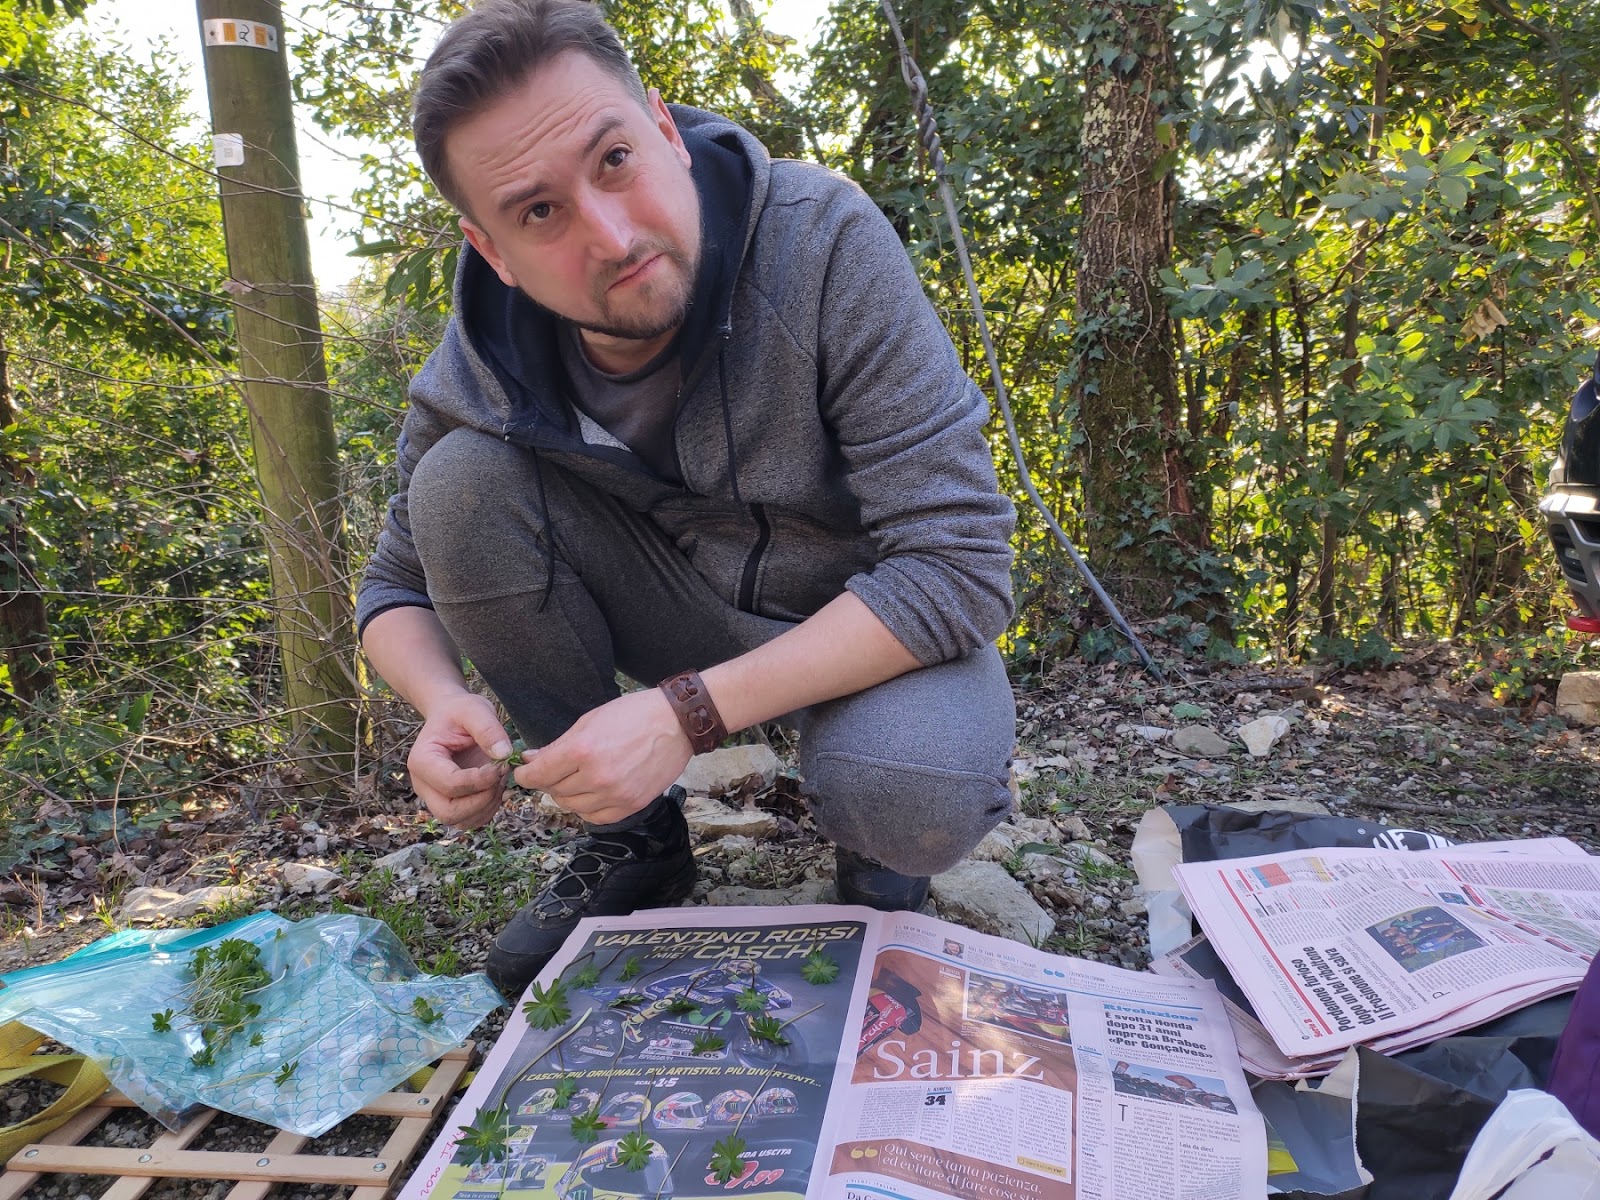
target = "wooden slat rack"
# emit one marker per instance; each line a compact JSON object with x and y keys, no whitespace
{"x":169,"y":1157}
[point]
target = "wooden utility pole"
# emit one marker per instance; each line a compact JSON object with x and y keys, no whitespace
{"x":281,"y":368}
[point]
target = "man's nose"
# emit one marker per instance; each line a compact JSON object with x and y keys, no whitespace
{"x":610,"y":229}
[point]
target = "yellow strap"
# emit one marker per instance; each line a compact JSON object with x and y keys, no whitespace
{"x":17,"y":1041}
{"x":83,"y":1080}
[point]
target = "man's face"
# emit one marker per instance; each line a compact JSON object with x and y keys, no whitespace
{"x":583,"y":199}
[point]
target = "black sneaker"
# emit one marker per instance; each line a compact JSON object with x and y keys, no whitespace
{"x":609,"y":874}
{"x":861,"y":880}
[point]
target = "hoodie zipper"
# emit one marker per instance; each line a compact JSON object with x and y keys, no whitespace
{"x":747,"y":585}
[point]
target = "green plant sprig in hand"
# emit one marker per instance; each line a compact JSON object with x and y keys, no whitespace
{"x":513,"y":757}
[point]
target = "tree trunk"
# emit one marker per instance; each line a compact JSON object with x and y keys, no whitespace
{"x":24,"y":624}
{"x":1143,"y":520}
{"x":283,"y":372}
{"x":1339,"y":452}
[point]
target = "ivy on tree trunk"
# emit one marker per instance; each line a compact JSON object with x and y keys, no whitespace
{"x":1144,"y":514}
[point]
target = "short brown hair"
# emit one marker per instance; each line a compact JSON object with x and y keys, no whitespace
{"x":488,"y":52}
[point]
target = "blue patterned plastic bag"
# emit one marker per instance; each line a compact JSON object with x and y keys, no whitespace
{"x":344,"y":1017}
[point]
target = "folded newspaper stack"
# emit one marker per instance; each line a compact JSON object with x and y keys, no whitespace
{"x":1318,"y":950}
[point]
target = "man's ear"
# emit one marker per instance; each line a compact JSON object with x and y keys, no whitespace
{"x":667,"y":126}
{"x":484,"y":245}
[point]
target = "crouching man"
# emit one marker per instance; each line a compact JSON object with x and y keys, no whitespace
{"x":693,"y":419}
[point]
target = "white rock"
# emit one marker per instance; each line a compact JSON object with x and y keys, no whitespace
{"x":1078,"y":854}
{"x":161,"y":904}
{"x":714,"y":819}
{"x":810,"y":891}
{"x":1201,"y":741}
{"x":1152,"y":733}
{"x":1073,"y":829}
{"x":399,"y":860}
{"x":1262,"y":734}
{"x":1041,"y":866}
{"x":982,"y":896}
{"x":724,"y":770}
{"x":1578,"y":697}
{"x":1001,"y":842}
{"x":304,"y":880}
{"x":735,"y":845}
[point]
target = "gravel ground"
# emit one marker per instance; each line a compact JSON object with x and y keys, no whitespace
{"x":1421,"y":744}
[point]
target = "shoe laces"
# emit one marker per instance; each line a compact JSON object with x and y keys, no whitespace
{"x":595,"y":856}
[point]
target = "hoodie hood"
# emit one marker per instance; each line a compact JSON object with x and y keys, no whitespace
{"x":516,"y":338}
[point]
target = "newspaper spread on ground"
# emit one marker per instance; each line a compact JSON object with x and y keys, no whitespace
{"x":705,"y":1052}
{"x":1339,"y":946}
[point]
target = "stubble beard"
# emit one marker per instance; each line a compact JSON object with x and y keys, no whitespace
{"x":666,"y":304}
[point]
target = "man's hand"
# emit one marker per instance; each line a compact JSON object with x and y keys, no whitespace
{"x":453,"y":767}
{"x":614,"y":760}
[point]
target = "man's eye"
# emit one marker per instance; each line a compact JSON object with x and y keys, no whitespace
{"x":539,"y":212}
{"x":617,"y":157}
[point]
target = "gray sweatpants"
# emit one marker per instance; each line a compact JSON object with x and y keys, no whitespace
{"x":911,"y":772}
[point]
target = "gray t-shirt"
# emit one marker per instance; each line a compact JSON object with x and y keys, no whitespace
{"x":638,"y":409}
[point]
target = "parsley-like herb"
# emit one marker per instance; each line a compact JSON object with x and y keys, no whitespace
{"x":751,"y":1001}
{"x":631,"y":968}
{"x":819,"y":967}
{"x":727,"y":1158}
{"x":548,"y":1009}
{"x":681,"y":1005}
{"x":161,"y":1022}
{"x":566,"y":1089}
{"x":587,"y":1126}
{"x":708,"y":1043}
{"x":426,"y":1012}
{"x":767,"y":1029}
{"x":484,"y":1140}
{"x":285,"y":1073}
{"x":633,"y":1151}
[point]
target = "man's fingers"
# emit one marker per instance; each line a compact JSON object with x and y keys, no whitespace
{"x":468,"y":812}
{"x":487,"y":731}
{"x":439,"y":771}
{"x":547,"y":768}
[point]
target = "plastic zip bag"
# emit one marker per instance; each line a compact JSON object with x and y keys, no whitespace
{"x":344,"y":1017}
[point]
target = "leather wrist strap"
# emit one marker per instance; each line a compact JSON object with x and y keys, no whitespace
{"x":696,"y":713}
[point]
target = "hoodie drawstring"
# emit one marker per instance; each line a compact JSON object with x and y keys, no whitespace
{"x":548,"y":530}
{"x":727,"y":426}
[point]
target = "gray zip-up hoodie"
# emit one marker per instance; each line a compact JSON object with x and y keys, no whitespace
{"x":826,"y":435}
